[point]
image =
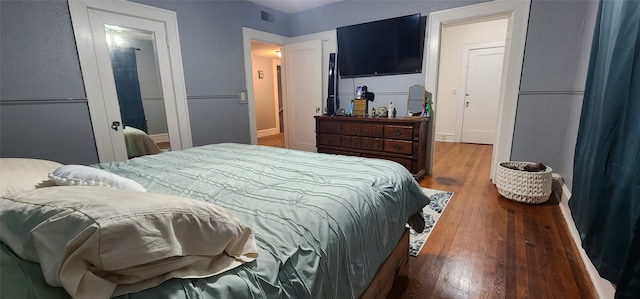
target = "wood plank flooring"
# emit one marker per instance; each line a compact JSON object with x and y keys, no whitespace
{"x":486,"y":246}
{"x":276,"y":140}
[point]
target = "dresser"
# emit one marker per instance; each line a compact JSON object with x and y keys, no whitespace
{"x":403,"y":140}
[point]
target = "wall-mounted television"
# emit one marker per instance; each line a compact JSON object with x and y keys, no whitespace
{"x":386,"y":47}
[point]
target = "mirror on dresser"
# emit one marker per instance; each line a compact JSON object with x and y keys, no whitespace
{"x":416,"y":100}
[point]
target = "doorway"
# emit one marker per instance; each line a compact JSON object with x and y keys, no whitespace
{"x":303,"y":67}
{"x":458,"y":42}
{"x":267,"y":87}
{"x":516,"y":14}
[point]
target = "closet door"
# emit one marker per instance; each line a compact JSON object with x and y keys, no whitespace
{"x":133,"y":76}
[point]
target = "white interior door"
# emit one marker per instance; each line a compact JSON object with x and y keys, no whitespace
{"x":98,"y":27}
{"x":482,"y":95}
{"x":105,"y":28}
{"x":303,"y":77}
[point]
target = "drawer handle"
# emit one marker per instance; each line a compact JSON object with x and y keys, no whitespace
{"x":398,"y":133}
{"x":330,"y":140}
{"x":397,"y":146}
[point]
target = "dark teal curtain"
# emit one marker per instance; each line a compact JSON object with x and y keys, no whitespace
{"x":605,"y":203}
{"x":125,"y":73}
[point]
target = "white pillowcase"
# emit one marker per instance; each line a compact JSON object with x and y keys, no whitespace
{"x":80,"y":175}
{"x":99,"y":242}
{"x":22,"y":174}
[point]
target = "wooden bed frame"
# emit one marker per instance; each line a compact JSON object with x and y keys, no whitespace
{"x":395,"y":265}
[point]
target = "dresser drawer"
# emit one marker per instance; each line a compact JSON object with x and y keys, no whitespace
{"x":372,"y":130}
{"x":345,"y":141}
{"x":404,"y":162}
{"x":354,"y":129}
{"x":377,"y":144}
{"x":398,"y":146}
{"x":401,"y":140}
{"x":331,"y":127}
{"x":356,"y":142}
{"x":398,"y":132}
{"x":330,"y":139}
{"x":366,"y":143}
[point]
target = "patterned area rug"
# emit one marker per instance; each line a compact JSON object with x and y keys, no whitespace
{"x":439,"y":201}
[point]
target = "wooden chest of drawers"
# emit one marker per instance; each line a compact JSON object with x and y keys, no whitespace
{"x":403,"y":140}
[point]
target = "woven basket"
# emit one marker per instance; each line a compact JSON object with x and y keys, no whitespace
{"x":523,"y":186}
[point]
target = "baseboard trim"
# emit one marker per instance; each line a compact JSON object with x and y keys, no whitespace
{"x":445,"y":137}
{"x":267,"y":132}
{"x":604,"y":288}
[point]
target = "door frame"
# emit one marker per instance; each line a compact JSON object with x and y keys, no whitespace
{"x":517,"y":12}
{"x":274,"y":64}
{"x":248,"y":35}
{"x":329,"y":45}
{"x":79,"y":11}
{"x":464,"y":71}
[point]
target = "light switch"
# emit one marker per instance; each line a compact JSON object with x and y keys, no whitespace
{"x":243,"y":96}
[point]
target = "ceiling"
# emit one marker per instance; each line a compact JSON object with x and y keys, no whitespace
{"x":261,"y":49}
{"x":293,"y":6}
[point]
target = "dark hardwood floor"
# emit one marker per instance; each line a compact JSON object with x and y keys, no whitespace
{"x":486,"y":246}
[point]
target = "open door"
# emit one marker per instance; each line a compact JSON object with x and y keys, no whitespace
{"x":303,"y":85}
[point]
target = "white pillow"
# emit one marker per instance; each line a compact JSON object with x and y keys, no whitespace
{"x":79,"y":175}
{"x":99,"y":242}
{"x":22,"y":174}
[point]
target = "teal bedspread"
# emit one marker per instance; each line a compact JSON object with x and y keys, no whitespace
{"x":324,"y":223}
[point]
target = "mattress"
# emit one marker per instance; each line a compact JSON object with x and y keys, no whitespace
{"x":323,"y":223}
{"x":139,"y":143}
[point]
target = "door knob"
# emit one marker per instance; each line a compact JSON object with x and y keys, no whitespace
{"x":115,"y":125}
{"x":317,"y":110}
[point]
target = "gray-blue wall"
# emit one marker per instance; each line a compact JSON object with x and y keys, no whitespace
{"x":212,"y":56}
{"x":552,"y":86}
{"x":43,"y":106}
{"x":44,"y":112}
{"x":352,"y":12}
{"x":386,"y":88}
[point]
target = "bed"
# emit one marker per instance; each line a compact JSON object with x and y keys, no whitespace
{"x":326,"y":226}
{"x":139,"y":143}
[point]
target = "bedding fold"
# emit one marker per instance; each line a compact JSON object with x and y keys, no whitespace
{"x":324,"y":223}
{"x":99,"y":242}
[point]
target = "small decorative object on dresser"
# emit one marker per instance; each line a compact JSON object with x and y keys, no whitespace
{"x":403,"y":140}
{"x":382,"y":111}
{"x":359,"y":107}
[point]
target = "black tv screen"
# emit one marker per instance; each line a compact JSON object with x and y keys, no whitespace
{"x":387,"y":47}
